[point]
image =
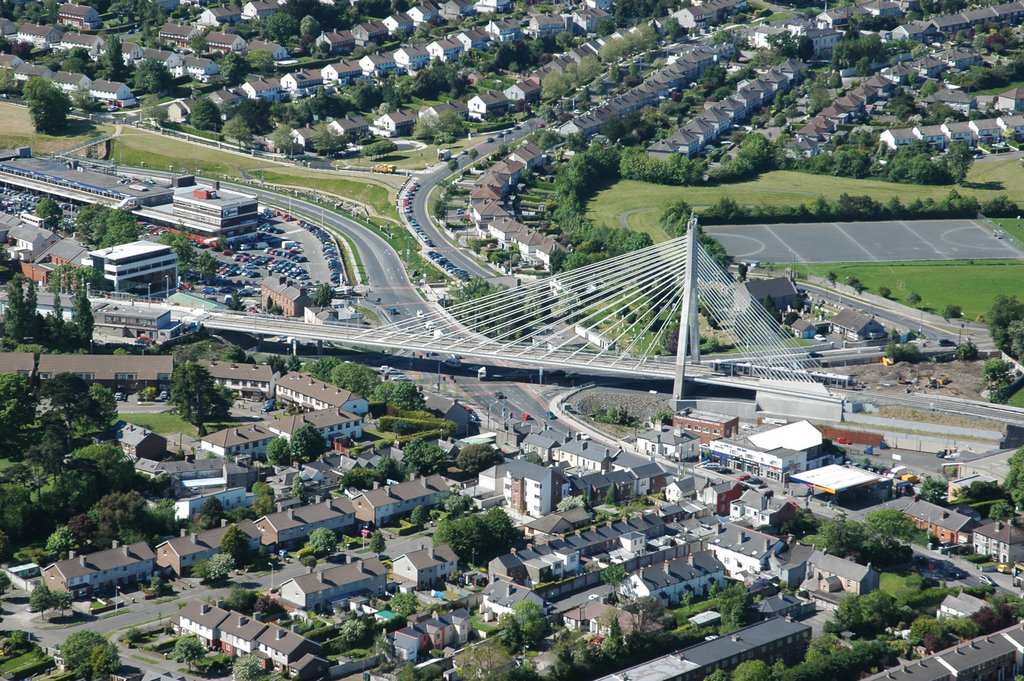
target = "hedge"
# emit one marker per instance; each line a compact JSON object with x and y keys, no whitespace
{"x":404,"y":426}
{"x":31,"y":669}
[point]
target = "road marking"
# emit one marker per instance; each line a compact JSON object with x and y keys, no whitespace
{"x":855,"y":242}
{"x":785,"y":244}
{"x":940,"y":253}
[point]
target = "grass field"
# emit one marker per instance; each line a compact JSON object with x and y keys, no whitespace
{"x":641,"y":204}
{"x":999,"y":90}
{"x":972,"y":285}
{"x":409,"y":159}
{"x":142,"y":149}
{"x":899,"y":585}
{"x":17,"y":131}
{"x":166,"y":423}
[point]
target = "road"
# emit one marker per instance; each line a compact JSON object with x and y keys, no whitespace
{"x":445,"y":245}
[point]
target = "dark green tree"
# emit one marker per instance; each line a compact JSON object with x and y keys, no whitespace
{"x":196,"y":397}
{"x":48,"y":106}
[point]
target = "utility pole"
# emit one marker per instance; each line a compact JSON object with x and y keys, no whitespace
{"x":689,"y":324}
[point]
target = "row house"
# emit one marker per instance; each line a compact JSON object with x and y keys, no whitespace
{"x":111,"y":92}
{"x":170,"y":60}
{"x":399,"y":23}
{"x":302,"y":83}
{"x":268,"y":89}
{"x":79,"y":16}
{"x":343,"y":73}
{"x":445,"y":49}
{"x":621,"y":483}
{"x":439,"y":632}
{"x":354,"y":127}
{"x":377,"y":65}
{"x":396,"y":123}
{"x":383,"y":505}
{"x":291,"y":527}
{"x":958,"y":100}
{"x":504,"y":30}
{"x":538,"y":564}
{"x":251,"y":439}
{"x":456,"y":107}
{"x":490,"y":104}
{"x":100,"y":572}
{"x":277,"y":52}
{"x":369,"y":32}
{"x":950,"y":526}
{"x":311,"y":394}
{"x":1000,"y":539}
{"x":544,"y":26}
{"x":527,"y":90}
{"x":251,"y":381}
{"x":319,"y":590}
{"x":71,"y":82}
{"x":586,"y":19}
{"x":411,"y":58}
{"x":218,"y":41}
{"x":427,"y":568}
{"x":178,"y":35}
{"x":454,"y":10}
{"x":330,"y":423}
{"x":219,"y":16}
{"x":988,"y":658}
{"x":40,"y":37}
{"x":132,"y":52}
{"x":180,"y":554}
{"x":744,"y":552}
{"x":1013,"y":126}
{"x":474,"y":39}
{"x":93,"y":44}
{"x":761,"y":509}
{"x":259,"y":9}
{"x":692,"y":576}
{"x":337,"y":42}
{"x":424,"y":13}
{"x":199,"y":69}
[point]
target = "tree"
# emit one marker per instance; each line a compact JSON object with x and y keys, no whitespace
{"x":211,"y":512}
{"x":381,"y":148}
{"x":241,"y":599}
{"x":475,"y":458}
{"x":48,"y":106}
{"x":279,"y":452}
{"x":234,"y":68}
{"x":49,"y":212}
{"x":1000,"y":510}
{"x":41,"y":600}
{"x":217,"y":568}
{"x":196,"y":397}
{"x":248,"y":668}
{"x":889,"y":527}
{"x":188,"y":649}
{"x":952,"y":311}
{"x":997,"y":377}
{"x":914,"y":299}
{"x":88,"y":655}
{"x":61,"y":541}
{"x":377,"y":544}
{"x":614,"y":576}
{"x":235,"y":543}
{"x":424,"y":457}
{"x":309,"y":26}
{"x":112,"y":63}
{"x":152,"y":110}
{"x":17,"y":409}
{"x":237,"y":129}
{"x":283,"y":140}
{"x":933,"y":490}
{"x":752,"y":670}
{"x":405,"y":604}
{"x":958,"y":161}
{"x":307,"y":443}
{"x":356,"y":377}
{"x":152,"y":77}
{"x":327,"y":140}
{"x":62,"y":600}
{"x":524,"y":627}
{"x":323,"y":541}
{"x":281,"y":27}
{"x":842,"y":536}
{"x":419,"y":515}
{"x":323,"y":295}
{"x":205,"y":115}
{"x":5,"y":583}
{"x":572,"y":502}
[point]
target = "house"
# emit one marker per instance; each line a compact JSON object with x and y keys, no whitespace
{"x":93,"y":44}
{"x":21,"y":363}
{"x":288,"y":528}
{"x":493,"y":6}
{"x":960,"y":605}
{"x":783,"y":605}
{"x":290,"y":654}
{"x":456,"y":9}
{"x":203,"y":621}
{"x":250,"y":381}
{"x":250,"y":439}
{"x":744,"y":552}
{"x":474,"y":39}
{"x":282,"y":293}
{"x":502,"y":596}
{"x":411,"y":58}
{"x":352,"y":126}
{"x":180,"y":554}
{"x":668,"y":442}
{"x":369,"y":32}
{"x":692,"y":575}
{"x":302,"y":83}
{"x":986,"y":130}
{"x":706,"y":426}
{"x":399,"y":23}
{"x":445,"y":49}
{"x":337,"y":42}
{"x":1003,"y":540}
{"x":239,"y":634}
{"x":761,"y":509}
{"x":218,"y":41}
{"x":219,"y":16}
{"x":277,"y":52}
{"x":958,"y":100}
{"x":488,"y":105}
{"x":439,"y":632}
{"x":424,"y":13}
{"x":318,"y":590}
{"x":719,"y":497}
{"x":994,"y":656}
{"x":827,"y":574}
{"x":332,"y":424}
{"x":259,"y":9}
{"x":311,"y":394}
{"x":139,"y":443}
{"x":199,"y":69}
{"x":779,"y":290}
{"x":177,"y":34}
{"x":857,"y":326}
{"x":527,"y":90}
{"x":72,"y":82}
{"x":40,"y":37}
{"x":558,"y":523}
{"x":594,"y":617}
{"x":544,"y":26}
{"x":585,"y":19}
{"x":396,"y":123}
{"x":388,"y":503}
{"x":268,"y":89}
{"x":527,"y":488}
{"x":79,"y":16}
{"x":343,"y":73}
{"x":100,"y":572}
{"x":111,"y":92}
{"x":504,"y":30}
{"x":123,"y":374}
{"x":1012,"y":100}
{"x":950,"y":526}
{"x":377,"y":65}
{"x":427,"y":568}
{"x":898,"y":137}
{"x":960,"y":132}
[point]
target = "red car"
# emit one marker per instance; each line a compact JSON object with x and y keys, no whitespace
{"x":526,"y":417}
{"x":745,"y":476}
{"x":843,"y":441}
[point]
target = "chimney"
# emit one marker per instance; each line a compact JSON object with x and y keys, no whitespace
{"x":81,"y":561}
{"x":124,"y":550}
{"x":242,"y":620}
{"x":71,"y":554}
{"x":115,"y":544}
{"x":359,"y":565}
{"x":317,"y":499}
{"x":320,"y":576}
{"x":223,"y":522}
{"x":291,"y":514}
{"x":204,"y":608}
{"x":195,"y":539}
{"x":689,"y":559}
{"x":945,"y":514}
{"x":184,"y":532}
{"x":743,"y":536}
{"x":281,"y":633}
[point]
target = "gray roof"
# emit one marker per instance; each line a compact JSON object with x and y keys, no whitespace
{"x":777,"y":287}
{"x":937,"y":515}
{"x":842,"y":567}
{"x":680,"y":570}
{"x":964,"y":603}
{"x":506,"y":593}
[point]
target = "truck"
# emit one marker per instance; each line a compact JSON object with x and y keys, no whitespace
{"x":481,"y":374}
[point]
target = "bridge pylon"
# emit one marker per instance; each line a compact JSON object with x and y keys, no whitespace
{"x":688,"y":347}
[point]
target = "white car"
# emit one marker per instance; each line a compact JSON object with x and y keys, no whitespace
{"x":819,"y":337}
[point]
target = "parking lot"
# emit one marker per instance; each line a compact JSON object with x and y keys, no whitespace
{"x":405,"y":199}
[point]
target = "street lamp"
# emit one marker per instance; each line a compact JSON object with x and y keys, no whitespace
{"x":167,"y":284}
{"x":117,"y":596}
{"x":149,"y":290}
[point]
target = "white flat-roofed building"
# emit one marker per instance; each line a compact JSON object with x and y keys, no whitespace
{"x":140,"y":265}
{"x":215,"y":212}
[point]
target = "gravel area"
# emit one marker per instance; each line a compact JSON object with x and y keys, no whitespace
{"x":644,"y":406}
{"x":964,"y":377}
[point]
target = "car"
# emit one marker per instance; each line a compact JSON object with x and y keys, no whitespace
{"x":120,"y":397}
{"x":526,"y":417}
{"x":985,"y":579}
{"x":1003,"y":568}
{"x":818,"y":337}
{"x":551,"y":415}
{"x":745,"y":477}
{"x":594,"y":597}
{"x":490,"y":140}
{"x":946,"y":343}
{"x":163,"y":396}
{"x":843,"y":441}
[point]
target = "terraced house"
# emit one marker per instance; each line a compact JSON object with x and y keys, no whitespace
{"x":289,"y":528}
{"x":100,"y":572}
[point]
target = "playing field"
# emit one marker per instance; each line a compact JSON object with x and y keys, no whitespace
{"x":17,"y":131}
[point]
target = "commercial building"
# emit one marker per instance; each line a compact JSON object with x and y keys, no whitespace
{"x":705,"y":425}
{"x":774,"y":453}
{"x":211,"y":211}
{"x":141,"y":266}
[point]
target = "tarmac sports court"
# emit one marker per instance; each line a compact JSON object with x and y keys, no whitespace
{"x":890,"y":241}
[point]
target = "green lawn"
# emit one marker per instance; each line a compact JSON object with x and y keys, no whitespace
{"x":999,"y":90}
{"x":643,"y":202}
{"x":167,"y":423}
{"x":380,"y":198}
{"x":1017,"y":400}
{"x":972,"y":285}
{"x":17,"y":131}
{"x":1013,"y":226}
{"x":899,"y":586}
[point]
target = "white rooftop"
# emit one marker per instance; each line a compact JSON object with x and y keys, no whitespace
{"x":797,"y":436}
{"x":836,"y":478}
{"x":129,"y":250}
